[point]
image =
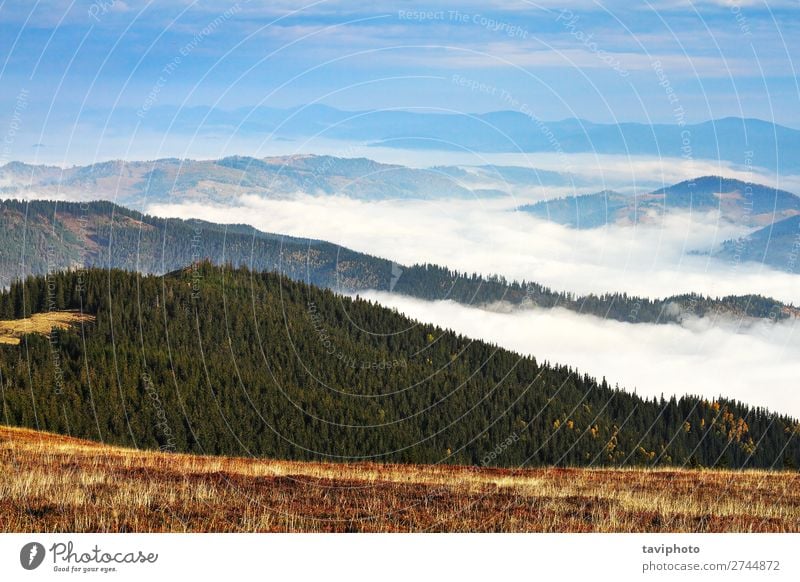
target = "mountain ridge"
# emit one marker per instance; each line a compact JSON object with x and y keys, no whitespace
{"x":506,"y":131}
{"x":48,"y":236}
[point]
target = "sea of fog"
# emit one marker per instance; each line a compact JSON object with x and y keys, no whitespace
{"x":753,"y":362}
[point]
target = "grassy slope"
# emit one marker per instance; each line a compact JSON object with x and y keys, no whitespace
{"x":59,"y":484}
{"x":42,"y":323}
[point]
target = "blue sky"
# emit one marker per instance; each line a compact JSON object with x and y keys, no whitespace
{"x":612,"y":61}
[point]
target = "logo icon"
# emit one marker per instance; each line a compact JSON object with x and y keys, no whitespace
{"x":32,"y":555}
{"x":397,"y":272}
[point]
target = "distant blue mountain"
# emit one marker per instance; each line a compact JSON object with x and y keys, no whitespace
{"x":776,"y":245}
{"x":742,"y":142}
{"x":282,"y":177}
{"x":739,"y":202}
{"x":222,"y":180}
{"x":729,"y":140}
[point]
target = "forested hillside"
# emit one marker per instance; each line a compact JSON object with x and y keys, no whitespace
{"x":434,"y":282}
{"x":44,"y":236}
{"x":230,"y":361}
{"x":40,"y":237}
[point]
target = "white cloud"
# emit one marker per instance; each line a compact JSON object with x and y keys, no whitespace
{"x":484,"y":236}
{"x":533,"y":55}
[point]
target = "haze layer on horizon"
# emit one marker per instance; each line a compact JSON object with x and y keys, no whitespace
{"x":80,"y":81}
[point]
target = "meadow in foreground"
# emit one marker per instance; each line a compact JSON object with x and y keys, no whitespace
{"x":51,"y":483}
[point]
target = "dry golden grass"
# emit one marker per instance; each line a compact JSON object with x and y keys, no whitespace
{"x":42,"y":323}
{"x":50,"y":483}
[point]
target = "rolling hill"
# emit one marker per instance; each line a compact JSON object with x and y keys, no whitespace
{"x":225,"y":361}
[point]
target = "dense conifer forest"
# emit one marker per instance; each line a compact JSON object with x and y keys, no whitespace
{"x":224,"y":360}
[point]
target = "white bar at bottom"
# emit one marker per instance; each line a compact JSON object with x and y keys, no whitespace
{"x":405,"y":557}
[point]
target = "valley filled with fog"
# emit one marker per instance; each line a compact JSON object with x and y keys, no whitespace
{"x":488,"y":237}
{"x":740,"y":358}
